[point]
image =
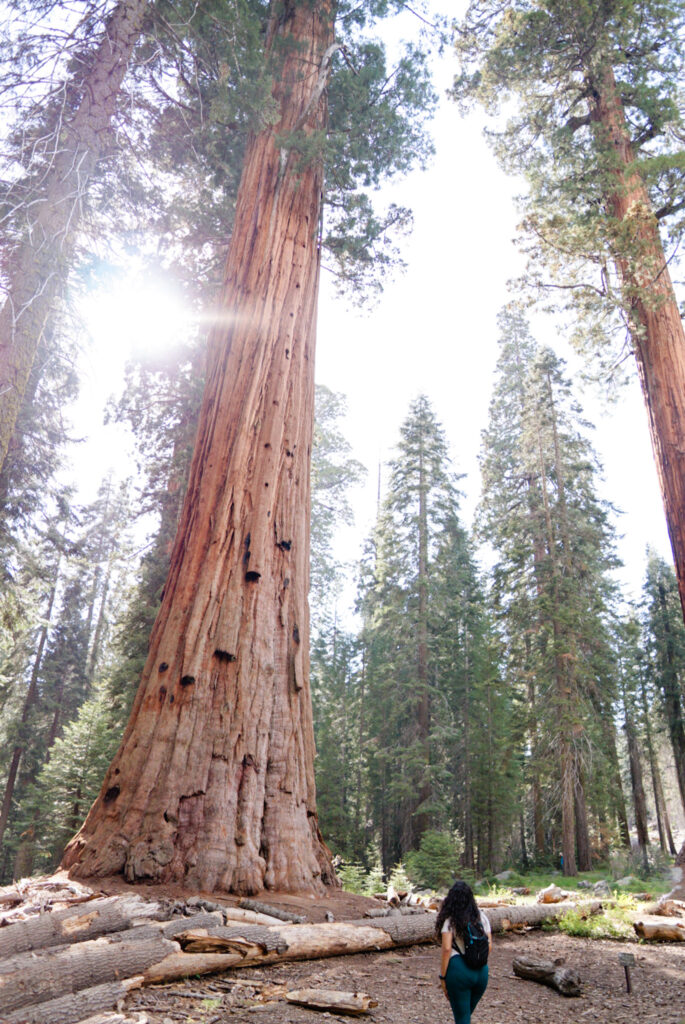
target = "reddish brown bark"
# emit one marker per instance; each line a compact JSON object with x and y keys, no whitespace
{"x":657,"y":329}
{"x":40,"y":263}
{"x":214,"y":781}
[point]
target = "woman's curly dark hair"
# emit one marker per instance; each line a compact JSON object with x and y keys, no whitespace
{"x":460,"y":907}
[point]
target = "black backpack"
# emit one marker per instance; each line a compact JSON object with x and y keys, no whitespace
{"x":476,"y":946}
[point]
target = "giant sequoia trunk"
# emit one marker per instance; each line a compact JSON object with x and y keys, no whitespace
{"x":213,"y":783}
{"x":39,"y":265}
{"x":657,"y":329}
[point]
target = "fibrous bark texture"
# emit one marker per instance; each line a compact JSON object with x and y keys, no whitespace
{"x":214,"y":783}
{"x":657,"y":329}
{"x":39,"y":264}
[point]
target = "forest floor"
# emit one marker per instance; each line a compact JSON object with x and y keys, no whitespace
{"x":404,"y":982}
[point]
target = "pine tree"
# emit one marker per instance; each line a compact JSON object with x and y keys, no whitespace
{"x":541,"y":514}
{"x":666,"y":644}
{"x":472,"y":732}
{"x":597,"y":132}
{"x":397,"y":636}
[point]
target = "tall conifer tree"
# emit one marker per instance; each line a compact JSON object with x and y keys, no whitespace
{"x":553,"y":547}
{"x":597,"y":132}
{"x":226,"y":799}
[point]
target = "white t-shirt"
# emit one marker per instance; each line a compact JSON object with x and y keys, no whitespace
{"x":447,"y":927}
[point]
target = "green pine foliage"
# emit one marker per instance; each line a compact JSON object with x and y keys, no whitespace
{"x":435,"y":703}
{"x":66,"y":785}
{"x":665,"y":641}
{"x":536,"y":67}
{"x":551,"y":584}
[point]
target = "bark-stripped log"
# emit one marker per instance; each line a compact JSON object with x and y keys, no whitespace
{"x":77,"y":924}
{"x":353,"y":1003}
{"x":563,"y":979}
{"x":664,"y":930}
{"x":249,"y":916}
{"x":35,"y":977}
{"x":70,"y":1008}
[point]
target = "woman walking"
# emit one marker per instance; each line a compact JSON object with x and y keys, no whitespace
{"x":460,"y":924}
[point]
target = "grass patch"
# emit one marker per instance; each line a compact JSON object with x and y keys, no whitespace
{"x":615,"y":922}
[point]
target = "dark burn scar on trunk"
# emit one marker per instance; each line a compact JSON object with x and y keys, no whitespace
{"x":223,"y":655}
{"x":252,"y":577}
{"x":284,"y":545}
{"x":187,"y":680}
{"x":162,"y":694}
{"x":111,"y":794}
{"x":296,"y":634}
{"x":163,"y":667}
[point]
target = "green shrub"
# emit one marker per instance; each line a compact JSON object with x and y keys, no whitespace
{"x":355,"y":879}
{"x":435,"y":863}
{"x":399,"y":878}
{"x":614,"y":923}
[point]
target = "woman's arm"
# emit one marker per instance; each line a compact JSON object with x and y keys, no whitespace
{"x":445,"y":954}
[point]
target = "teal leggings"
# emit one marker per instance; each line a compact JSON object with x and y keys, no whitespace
{"x":464,"y":988}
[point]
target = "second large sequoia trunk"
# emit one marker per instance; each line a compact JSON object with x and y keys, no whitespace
{"x":213,"y":783}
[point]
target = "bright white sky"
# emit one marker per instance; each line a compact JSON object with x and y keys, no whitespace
{"x":434,"y":332}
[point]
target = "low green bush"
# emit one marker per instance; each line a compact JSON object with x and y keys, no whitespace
{"x":435,"y":864}
{"x":613,"y":923}
{"x":356,"y":879}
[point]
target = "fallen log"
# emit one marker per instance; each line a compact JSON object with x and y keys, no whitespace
{"x":504,"y":919}
{"x":112,"y":1018}
{"x":220,"y":949}
{"x":36,"y":977}
{"x":563,"y":979}
{"x":552,"y":894}
{"x":71,"y":1007}
{"x":668,"y":908}
{"x":75,"y":924}
{"x":204,"y":945}
{"x":249,"y":916}
{"x":266,"y":908}
{"x":354,"y":1003}
{"x":665,"y":930}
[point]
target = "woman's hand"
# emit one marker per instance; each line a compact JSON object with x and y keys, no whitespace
{"x":443,"y":986}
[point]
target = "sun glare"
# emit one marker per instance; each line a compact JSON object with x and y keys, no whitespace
{"x":137,"y":317}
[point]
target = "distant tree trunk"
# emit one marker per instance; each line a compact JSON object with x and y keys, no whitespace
{"x":657,"y":328}
{"x":564,"y":689}
{"x":582,"y":833}
{"x":40,"y":263}
{"x":662,"y":817}
{"x":637,"y":785}
{"x":468,"y":855}
{"x":30,"y":701}
{"x":525,"y":862}
{"x":214,"y":783}
{"x":420,"y":818}
{"x":670,"y":686}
